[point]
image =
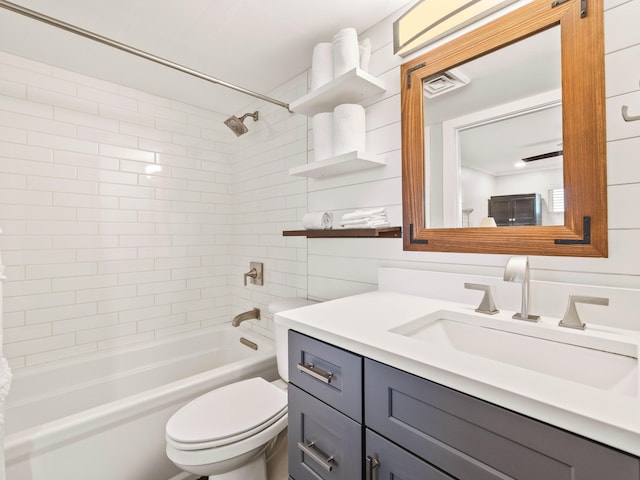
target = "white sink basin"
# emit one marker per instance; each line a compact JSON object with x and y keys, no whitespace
{"x":571,"y":355}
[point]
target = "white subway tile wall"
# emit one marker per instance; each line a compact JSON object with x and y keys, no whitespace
{"x":265,"y":201}
{"x":115,"y":207}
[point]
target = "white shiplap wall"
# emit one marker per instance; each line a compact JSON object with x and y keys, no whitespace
{"x":339,"y":267}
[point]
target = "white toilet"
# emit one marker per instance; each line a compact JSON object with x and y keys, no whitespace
{"x":223,"y":434}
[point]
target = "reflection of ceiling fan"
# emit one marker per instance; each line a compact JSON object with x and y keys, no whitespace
{"x":542,"y":156}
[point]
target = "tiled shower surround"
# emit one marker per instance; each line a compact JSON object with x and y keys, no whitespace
{"x":116,"y":210}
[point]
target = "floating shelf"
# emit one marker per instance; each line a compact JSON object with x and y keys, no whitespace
{"x":387,"y":232}
{"x":345,"y":163}
{"x":350,"y":87}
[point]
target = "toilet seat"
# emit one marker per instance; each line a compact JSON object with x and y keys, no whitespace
{"x":227,"y":415}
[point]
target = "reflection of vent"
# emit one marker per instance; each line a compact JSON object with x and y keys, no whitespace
{"x":444,"y":82}
{"x":542,"y":156}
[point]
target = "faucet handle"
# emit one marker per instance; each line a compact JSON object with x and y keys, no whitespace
{"x":487,"y":305}
{"x":253,"y":273}
{"x":571,"y":318}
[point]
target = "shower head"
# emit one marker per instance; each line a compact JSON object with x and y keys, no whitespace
{"x":237,"y":124}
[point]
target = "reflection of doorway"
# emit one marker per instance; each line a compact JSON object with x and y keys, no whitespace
{"x":481,"y":151}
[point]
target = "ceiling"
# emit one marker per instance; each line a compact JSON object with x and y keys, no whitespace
{"x":255,"y":44}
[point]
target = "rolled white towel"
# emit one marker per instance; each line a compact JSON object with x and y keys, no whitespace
{"x":365,"y":54}
{"x":322,"y":124}
{"x":349,"y":128}
{"x":346,"y":51}
{"x":317,"y":221}
{"x":321,"y":65}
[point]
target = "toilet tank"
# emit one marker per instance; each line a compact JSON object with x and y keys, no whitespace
{"x":281,"y":332}
{"x":282,"y":353}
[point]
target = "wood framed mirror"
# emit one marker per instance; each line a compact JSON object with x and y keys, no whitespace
{"x":580,"y":104}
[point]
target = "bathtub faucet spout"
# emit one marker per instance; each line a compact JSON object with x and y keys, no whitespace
{"x":251,"y":314}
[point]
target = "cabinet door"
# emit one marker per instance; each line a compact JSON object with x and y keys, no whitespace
{"x":323,"y":443}
{"x":395,"y":463}
{"x":526,"y":210}
{"x":329,"y":373}
{"x":474,"y":440}
{"x":500,"y":210}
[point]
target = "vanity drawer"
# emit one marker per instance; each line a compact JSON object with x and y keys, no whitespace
{"x":395,"y":462}
{"x":329,"y":373}
{"x":323,"y":443}
{"x":475,"y":440}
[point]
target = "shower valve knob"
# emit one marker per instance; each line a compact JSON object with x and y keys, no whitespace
{"x":255,"y":274}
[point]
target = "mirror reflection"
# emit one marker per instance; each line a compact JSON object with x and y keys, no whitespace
{"x":493,"y":138}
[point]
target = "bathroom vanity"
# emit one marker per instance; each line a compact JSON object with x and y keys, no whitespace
{"x":417,"y":429}
{"x":370,"y":399}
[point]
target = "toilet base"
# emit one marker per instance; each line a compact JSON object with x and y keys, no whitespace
{"x":256,"y":469}
{"x":249,"y":465}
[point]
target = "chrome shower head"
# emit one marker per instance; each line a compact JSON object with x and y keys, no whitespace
{"x":237,"y":124}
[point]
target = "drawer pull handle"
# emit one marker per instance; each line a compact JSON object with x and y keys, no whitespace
{"x":372,"y":464}
{"x":315,"y":372}
{"x":317,"y":456}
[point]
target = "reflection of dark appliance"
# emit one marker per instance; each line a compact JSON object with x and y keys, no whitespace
{"x":513,"y":210}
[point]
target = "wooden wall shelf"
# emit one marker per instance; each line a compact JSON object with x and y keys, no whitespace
{"x":387,"y":232}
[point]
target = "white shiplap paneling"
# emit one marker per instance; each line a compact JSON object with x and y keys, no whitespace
{"x":332,"y":262}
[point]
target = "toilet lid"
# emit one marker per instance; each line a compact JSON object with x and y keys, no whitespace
{"x":228,"y":412}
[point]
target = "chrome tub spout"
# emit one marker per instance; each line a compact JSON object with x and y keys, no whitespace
{"x":250,"y":315}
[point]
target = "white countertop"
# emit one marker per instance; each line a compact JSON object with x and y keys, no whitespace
{"x":361,"y":324}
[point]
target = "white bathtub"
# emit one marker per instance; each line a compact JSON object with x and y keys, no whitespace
{"x":103,"y":418}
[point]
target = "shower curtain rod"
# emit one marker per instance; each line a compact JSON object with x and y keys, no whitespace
{"x":135,"y":51}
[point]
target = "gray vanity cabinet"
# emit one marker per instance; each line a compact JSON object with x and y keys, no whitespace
{"x":325,"y":411}
{"x":471,"y":439}
{"x":323,"y":443}
{"x":329,"y":373}
{"x":392,"y":462}
{"x":353,"y":418}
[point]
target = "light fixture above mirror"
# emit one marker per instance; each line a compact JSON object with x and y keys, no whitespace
{"x":579,"y":148}
{"x":431,"y":20}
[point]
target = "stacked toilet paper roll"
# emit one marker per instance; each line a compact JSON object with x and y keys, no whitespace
{"x":332,"y":59}
{"x":346,"y":51}
{"x":338,"y":132}
{"x":322,"y":124}
{"x":321,"y":65}
{"x":348,"y":128}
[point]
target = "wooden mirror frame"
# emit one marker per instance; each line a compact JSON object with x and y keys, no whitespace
{"x":584,"y":233}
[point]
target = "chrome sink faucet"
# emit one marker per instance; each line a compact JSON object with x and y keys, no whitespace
{"x":517,"y":270}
